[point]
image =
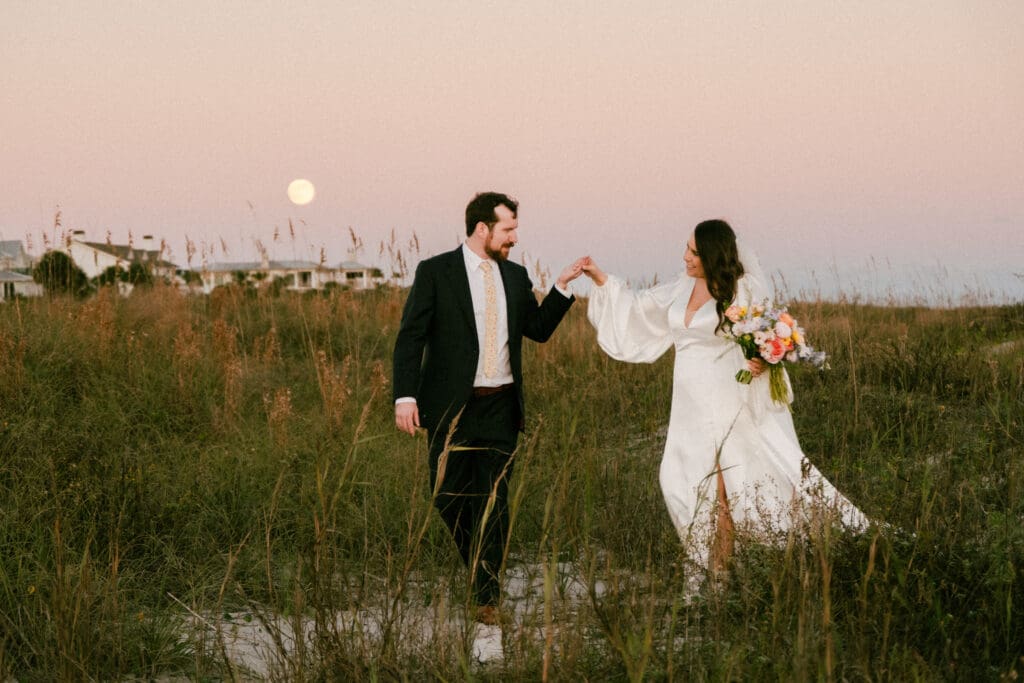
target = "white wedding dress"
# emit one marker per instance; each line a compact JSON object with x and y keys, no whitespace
{"x":770,"y":484}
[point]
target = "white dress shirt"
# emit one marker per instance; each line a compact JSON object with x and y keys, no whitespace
{"x":476,"y":291}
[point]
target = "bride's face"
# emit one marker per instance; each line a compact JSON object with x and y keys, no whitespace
{"x":692,"y":260}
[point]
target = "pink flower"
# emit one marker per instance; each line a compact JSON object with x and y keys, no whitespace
{"x":787,"y":318}
{"x":733,"y":313}
{"x":774,"y":350}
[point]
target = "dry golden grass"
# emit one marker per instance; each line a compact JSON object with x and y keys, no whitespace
{"x":238,"y":452}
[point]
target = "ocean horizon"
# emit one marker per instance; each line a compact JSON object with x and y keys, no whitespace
{"x":932,"y":286}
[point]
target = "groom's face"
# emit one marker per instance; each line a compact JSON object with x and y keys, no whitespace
{"x":503,"y":235}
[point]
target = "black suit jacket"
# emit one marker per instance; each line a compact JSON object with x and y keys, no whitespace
{"x":436,"y":351}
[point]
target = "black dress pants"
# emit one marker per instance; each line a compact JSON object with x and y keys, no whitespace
{"x":473,"y":494}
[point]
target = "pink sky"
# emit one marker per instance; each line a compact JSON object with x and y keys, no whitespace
{"x":828,"y":133}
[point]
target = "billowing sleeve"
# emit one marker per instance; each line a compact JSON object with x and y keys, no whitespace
{"x":632,"y":326}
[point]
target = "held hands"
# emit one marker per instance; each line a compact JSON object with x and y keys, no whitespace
{"x":571,"y":272}
{"x":594,"y":272}
{"x":583,"y":265}
{"x":756,"y":366}
{"x":407,"y":417}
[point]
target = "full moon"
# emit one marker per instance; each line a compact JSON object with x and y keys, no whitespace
{"x":301,"y":191}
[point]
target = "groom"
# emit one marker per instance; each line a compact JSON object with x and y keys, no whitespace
{"x":458,"y":360}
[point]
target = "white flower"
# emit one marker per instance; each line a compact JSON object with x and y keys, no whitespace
{"x":783,"y":330}
{"x":818,"y":358}
{"x":742,"y":327}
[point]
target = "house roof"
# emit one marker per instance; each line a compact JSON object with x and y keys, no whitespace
{"x":8,"y":276}
{"x":231,"y":267}
{"x":127,"y":253}
{"x":293,"y":265}
{"x":351,"y":265}
{"x":11,"y":248}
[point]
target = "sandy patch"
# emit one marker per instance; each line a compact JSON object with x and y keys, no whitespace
{"x":259,"y":646}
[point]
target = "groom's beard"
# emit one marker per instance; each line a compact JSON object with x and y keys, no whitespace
{"x":499,"y":254}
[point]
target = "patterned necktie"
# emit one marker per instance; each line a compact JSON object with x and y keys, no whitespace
{"x":490,"y":322}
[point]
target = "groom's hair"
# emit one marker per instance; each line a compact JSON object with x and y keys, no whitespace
{"x":482,"y":206}
{"x":716,"y":247}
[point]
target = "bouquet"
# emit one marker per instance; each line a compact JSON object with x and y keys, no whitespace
{"x":770,"y":333}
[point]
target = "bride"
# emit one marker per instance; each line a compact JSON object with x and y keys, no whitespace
{"x":732,"y":457}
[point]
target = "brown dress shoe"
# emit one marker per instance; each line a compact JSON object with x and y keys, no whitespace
{"x":487,"y":615}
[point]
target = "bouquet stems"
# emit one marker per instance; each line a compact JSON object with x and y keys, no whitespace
{"x":776,"y":382}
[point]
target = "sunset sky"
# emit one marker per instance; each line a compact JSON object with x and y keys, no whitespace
{"x":862,"y":140}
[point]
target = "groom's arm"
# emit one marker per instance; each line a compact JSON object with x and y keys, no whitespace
{"x":409,"y":346}
{"x":542,"y":319}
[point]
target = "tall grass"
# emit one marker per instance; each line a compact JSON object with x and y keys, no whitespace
{"x":174,"y":469}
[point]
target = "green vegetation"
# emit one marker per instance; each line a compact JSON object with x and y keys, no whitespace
{"x":59,"y":274}
{"x":172,"y":468}
{"x":137,"y":274}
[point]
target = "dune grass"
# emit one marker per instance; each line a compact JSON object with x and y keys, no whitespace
{"x":172,"y":465}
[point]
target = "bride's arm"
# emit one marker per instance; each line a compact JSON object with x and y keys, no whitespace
{"x":631,"y":326}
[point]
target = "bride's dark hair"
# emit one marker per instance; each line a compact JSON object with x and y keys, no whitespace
{"x":716,"y":248}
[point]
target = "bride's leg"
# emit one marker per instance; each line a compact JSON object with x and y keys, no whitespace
{"x":724,"y":528}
